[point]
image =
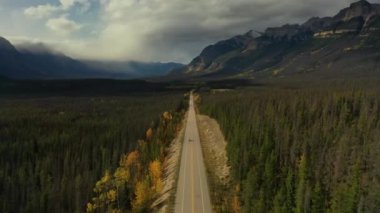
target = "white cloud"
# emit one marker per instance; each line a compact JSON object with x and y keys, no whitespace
{"x":46,"y":10}
{"x":40,"y":11}
{"x":63,"y":25}
{"x":85,"y":5}
{"x":145,"y":29}
{"x":174,"y":30}
{"x":66,"y":4}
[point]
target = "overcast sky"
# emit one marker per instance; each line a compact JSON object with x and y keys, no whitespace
{"x":148,"y":30}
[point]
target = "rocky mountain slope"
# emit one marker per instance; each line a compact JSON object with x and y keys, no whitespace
{"x":36,"y":61}
{"x":346,"y":44}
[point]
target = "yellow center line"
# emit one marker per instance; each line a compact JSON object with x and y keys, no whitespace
{"x":192,"y":178}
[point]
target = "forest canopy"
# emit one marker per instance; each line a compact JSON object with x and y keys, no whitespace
{"x":54,"y":150}
{"x":301,"y":150}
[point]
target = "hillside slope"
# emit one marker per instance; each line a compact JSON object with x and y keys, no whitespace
{"x":344,"y":45}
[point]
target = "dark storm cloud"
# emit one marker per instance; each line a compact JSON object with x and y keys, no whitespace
{"x":185,"y":34}
{"x":177,"y":30}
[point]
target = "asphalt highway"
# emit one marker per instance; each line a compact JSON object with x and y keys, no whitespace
{"x":192,"y":192}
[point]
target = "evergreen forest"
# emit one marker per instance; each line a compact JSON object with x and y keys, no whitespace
{"x":53,"y":150}
{"x":300,"y":150}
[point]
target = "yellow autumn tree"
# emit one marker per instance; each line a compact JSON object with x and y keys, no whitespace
{"x":142,"y":194}
{"x":235,"y":205}
{"x":111,"y":195}
{"x":133,"y":166}
{"x":90,"y":207}
{"x":121,"y":176}
{"x":155,"y":171}
{"x":167,"y":116}
{"x":132,"y":158}
{"x":123,"y":160}
{"x":149,"y":134}
{"x":122,"y":173}
{"x":103,"y":183}
{"x":106,"y":193}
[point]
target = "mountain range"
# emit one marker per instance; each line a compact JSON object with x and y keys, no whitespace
{"x":347,"y":44}
{"x":36,"y":61}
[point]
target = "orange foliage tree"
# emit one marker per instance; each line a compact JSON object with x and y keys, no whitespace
{"x":149,"y":134}
{"x":142,"y":195}
{"x":155,"y":171}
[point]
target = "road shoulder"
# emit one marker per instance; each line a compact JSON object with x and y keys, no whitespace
{"x":216,"y":161}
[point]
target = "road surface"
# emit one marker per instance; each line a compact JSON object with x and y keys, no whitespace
{"x":192,"y":191}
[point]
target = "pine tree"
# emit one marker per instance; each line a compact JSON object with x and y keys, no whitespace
{"x":301,"y":185}
{"x":317,"y":201}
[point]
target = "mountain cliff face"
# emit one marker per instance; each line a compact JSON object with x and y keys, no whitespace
{"x":345,"y":43}
{"x":207,"y":59}
{"x":361,"y":8}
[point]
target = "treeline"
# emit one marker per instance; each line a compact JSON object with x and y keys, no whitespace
{"x":53,"y":150}
{"x":301,"y":150}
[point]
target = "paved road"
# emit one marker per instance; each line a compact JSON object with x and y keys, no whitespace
{"x":192,"y":191}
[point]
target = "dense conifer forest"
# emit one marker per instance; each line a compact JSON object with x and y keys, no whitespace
{"x":54,"y":150}
{"x":301,"y":150}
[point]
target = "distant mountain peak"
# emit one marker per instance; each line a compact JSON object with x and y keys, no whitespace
{"x":253,"y":33}
{"x":36,"y":48}
{"x":360,"y":3}
{"x":361,"y":8}
{"x":6,"y":45}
